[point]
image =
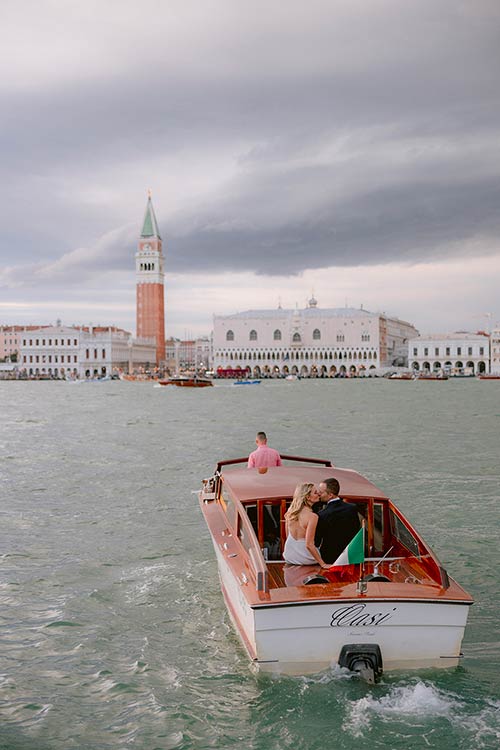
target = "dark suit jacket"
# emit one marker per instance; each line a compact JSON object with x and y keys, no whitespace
{"x":338,"y":523}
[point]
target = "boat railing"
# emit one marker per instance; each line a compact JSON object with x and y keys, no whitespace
{"x":321,"y":461}
{"x":231,"y":461}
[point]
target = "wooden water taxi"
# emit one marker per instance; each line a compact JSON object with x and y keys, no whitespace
{"x":431,"y":376}
{"x":187,"y":382}
{"x":397,"y":610}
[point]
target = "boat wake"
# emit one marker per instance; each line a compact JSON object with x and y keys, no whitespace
{"x":422,"y":706}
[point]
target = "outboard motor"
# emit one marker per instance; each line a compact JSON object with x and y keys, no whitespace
{"x":363,"y":658}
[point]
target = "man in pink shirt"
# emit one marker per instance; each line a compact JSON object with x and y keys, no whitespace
{"x":263,"y":456}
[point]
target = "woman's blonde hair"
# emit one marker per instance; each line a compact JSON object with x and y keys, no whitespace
{"x":300,"y":497}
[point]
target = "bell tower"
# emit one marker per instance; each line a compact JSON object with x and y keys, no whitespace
{"x":150,"y":305}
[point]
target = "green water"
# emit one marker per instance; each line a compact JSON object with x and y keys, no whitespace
{"x":114,"y":633}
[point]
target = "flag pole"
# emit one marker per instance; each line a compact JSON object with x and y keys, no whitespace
{"x":363,"y":563}
{"x":362,"y":586}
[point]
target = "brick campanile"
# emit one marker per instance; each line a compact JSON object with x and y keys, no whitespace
{"x":150,"y":310}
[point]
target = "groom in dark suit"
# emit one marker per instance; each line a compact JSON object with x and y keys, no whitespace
{"x":338,"y":522}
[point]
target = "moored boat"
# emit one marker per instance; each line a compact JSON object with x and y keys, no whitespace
{"x":138,"y":378}
{"x":401,"y":376}
{"x":399,"y":609}
{"x":489,"y":376}
{"x":431,"y":376}
{"x":246,"y":382}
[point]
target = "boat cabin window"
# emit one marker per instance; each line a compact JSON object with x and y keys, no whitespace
{"x":378,"y":527}
{"x":252,"y":514}
{"x":272,"y":537}
{"x":267,"y":519}
{"x":403,"y":534}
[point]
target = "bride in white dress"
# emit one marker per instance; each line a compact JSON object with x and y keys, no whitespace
{"x":301,"y":524}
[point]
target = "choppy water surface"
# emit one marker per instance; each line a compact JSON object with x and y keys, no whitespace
{"x":114,"y":631}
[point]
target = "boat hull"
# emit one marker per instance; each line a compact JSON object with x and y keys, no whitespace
{"x":305,"y":637}
{"x":186,"y":383}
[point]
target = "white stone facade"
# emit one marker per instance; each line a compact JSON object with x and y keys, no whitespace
{"x":452,"y":353}
{"x":495,"y":351}
{"x":190,"y":354}
{"x":72,"y":352}
{"x":310,"y":342}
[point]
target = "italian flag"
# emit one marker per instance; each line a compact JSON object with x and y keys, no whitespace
{"x":354,"y":552}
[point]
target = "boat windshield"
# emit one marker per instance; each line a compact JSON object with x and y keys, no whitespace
{"x":403,"y":534}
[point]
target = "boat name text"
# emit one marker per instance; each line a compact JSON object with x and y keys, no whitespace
{"x":355,"y":615}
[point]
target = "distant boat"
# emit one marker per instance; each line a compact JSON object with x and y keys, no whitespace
{"x":292,"y":377}
{"x":488,"y":376}
{"x":246,"y":382}
{"x":141,"y":377}
{"x":401,"y":376}
{"x":187,"y":382}
{"x":431,"y":376}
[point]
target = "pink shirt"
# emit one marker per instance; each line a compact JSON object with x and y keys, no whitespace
{"x":264,"y":456}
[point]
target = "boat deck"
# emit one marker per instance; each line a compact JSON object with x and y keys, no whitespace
{"x":400,"y":570}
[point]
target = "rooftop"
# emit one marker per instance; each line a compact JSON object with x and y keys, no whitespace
{"x":458,"y":335}
{"x":313,"y":312}
{"x":281,"y":481}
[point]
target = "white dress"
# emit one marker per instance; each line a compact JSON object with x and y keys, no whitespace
{"x":296,"y":552}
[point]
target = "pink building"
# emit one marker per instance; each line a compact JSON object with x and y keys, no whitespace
{"x":10,"y":339}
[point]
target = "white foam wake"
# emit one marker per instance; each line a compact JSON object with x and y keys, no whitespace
{"x":419,"y":701}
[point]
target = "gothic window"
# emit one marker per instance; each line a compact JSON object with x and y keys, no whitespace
{"x":340,"y":337}
{"x":253,"y":335}
{"x":277,"y":335}
{"x":230,"y":336}
{"x":316,"y":334}
{"x":296,"y":338}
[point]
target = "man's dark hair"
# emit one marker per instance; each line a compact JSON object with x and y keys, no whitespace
{"x":262,"y":436}
{"x":332,"y":486}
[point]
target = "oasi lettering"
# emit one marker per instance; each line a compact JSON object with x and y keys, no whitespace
{"x":355,"y":615}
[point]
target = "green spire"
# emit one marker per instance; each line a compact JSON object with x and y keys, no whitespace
{"x":150,"y":226}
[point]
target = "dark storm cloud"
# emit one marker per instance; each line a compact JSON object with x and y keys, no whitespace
{"x":414,"y":223}
{"x":357,"y":137}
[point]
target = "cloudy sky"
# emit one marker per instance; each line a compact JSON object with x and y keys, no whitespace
{"x":349,"y":148}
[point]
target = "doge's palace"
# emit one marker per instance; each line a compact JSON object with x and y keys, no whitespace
{"x":309,"y":342}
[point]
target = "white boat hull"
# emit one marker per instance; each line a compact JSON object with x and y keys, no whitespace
{"x":306,"y":637}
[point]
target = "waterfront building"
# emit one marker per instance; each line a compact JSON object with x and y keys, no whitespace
{"x":50,"y":351}
{"x":82,"y":352}
{"x":495,"y":351}
{"x":150,"y":304}
{"x":458,"y":353}
{"x":190,"y":354}
{"x":310,"y":342}
{"x":10,"y":338}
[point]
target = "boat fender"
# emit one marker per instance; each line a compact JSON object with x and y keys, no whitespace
{"x":363,"y":658}
{"x":379,"y":578}
{"x":315,"y":578}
